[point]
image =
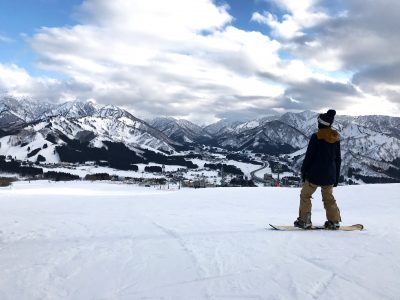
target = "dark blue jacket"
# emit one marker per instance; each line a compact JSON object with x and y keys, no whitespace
{"x":321,"y":165}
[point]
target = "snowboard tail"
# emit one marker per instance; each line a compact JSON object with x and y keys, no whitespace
{"x":293,"y":228}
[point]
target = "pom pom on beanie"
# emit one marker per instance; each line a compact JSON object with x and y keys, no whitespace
{"x":327,"y":118}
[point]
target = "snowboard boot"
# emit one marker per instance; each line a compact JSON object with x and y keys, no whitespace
{"x":331,"y":225}
{"x":303,"y":225}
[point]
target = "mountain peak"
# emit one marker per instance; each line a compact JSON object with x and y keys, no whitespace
{"x":74,"y":109}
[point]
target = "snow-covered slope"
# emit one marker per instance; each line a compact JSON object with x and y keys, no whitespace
{"x":182,"y":131}
{"x":221,"y":127}
{"x":42,"y":130}
{"x":249,"y":125}
{"x":79,"y":241}
{"x":24,"y":109}
{"x":273,"y":137}
{"x":371,"y":152}
{"x":370,"y":149}
{"x":306,"y":121}
{"x":271,"y":134}
{"x":371,"y":132}
{"x":374,"y":137}
{"x":224,"y":126}
{"x":382,"y":124}
{"x":370,"y":144}
{"x":74,"y":109}
{"x":95,"y":130}
{"x":15,"y":113}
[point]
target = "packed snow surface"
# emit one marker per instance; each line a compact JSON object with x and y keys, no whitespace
{"x":83,"y":240}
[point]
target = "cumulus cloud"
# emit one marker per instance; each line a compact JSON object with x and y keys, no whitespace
{"x":352,"y":36}
{"x":359,"y":35}
{"x":297,"y":17}
{"x":180,"y":58}
{"x":176,"y":18}
{"x":319,"y":94}
{"x":185,"y":58}
{"x":18,"y":82}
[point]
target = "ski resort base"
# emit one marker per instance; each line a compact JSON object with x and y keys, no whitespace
{"x":83,"y":240}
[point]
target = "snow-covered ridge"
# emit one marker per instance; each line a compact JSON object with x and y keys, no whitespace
{"x":181,"y":130}
{"x":370,"y":144}
{"x":33,"y":127}
{"x":32,"y":111}
{"x":23,"y":109}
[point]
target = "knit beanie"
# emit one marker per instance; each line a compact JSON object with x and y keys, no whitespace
{"x":327,"y":118}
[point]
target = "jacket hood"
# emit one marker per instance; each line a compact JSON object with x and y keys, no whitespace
{"x":328,"y":134}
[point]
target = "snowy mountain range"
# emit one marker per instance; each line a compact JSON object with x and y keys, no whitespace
{"x":182,"y":131}
{"x":370,"y":144}
{"x":29,"y":129}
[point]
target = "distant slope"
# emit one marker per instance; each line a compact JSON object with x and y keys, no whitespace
{"x":273,"y":137}
{"x":182,"y":131}
{"x":370,"y":144}
{"x":46,"y":130}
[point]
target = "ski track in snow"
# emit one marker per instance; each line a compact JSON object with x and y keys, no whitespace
{"x":119,"y":242}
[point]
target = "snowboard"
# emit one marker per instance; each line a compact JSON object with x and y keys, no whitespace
{"x":292,"y":228}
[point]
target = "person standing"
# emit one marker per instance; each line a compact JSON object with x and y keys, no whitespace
{"x":321,"y":168}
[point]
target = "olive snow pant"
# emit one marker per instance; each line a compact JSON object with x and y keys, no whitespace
{"x":332,"y":211}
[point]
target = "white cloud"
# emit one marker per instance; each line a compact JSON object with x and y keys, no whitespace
{"x":17,"y":81}
{"x":353,"y":37}
{"x":299,"y":15}
{"x":370,"y":104}
{"x":5,"y":39}
{"x":287,"y":28}
{"x":185,"y":58}
{"x":178,"y":57}
{"x":168,"y":19}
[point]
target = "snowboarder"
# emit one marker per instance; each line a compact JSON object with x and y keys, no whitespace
{"x":321,"y":168}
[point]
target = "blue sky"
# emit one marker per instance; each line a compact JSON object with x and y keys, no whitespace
{"x":258,"y":57}
{"x":20,"y":19}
